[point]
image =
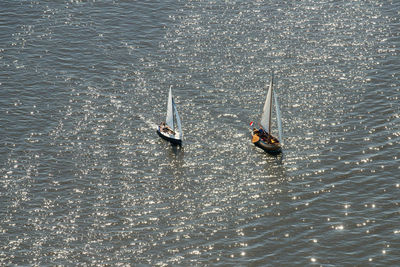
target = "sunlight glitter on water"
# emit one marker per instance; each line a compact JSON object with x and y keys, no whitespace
{"x":83,"y":161}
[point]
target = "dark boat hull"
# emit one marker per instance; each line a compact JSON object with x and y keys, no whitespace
{"x":173,"y":141}
{"x":269,"y":148}
{"x":273,"y":149}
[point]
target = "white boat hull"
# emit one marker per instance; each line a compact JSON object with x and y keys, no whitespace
{"x":174,"y":139}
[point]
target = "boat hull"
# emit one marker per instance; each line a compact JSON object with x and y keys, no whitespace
{"x":273,"y":149}
{"x":269,"y":148}
{"x":169,"y":138}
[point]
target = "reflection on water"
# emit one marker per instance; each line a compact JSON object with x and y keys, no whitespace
{"x":85,"y":178}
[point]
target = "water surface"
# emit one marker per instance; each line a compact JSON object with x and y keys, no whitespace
{"x":85,"y":180}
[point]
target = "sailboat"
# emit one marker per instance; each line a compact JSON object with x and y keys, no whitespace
{"x":262,"y":137}
{"x":171,"y":129}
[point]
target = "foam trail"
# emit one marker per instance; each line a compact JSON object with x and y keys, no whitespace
{"x":148,"y":122}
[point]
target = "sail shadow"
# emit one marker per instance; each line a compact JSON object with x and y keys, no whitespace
{"x":176,"y":157}
{"x":279,"y":158}
{"x":177,"y":150}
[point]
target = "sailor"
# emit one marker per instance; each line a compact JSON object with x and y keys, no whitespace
{"x":263,"y":134}
{"x":163,"y":127}
{"x":256,"y":137}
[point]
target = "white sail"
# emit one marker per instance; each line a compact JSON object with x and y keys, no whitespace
{"x":278,"y":118}
{"x":178,"y":120}
{"x":266,"y":115}
{"x":170,"y":113}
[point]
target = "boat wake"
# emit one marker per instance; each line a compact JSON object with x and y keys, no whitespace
{"x":149,"y":123}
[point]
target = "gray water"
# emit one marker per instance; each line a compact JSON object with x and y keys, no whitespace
{"x":85,"y":180}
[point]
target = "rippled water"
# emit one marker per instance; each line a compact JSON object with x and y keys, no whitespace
{"x":85,"y":180}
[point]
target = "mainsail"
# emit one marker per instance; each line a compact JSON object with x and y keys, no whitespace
{"x":267,"y":110}
{"x":170,"y":113}
{"x":173,"y":118}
